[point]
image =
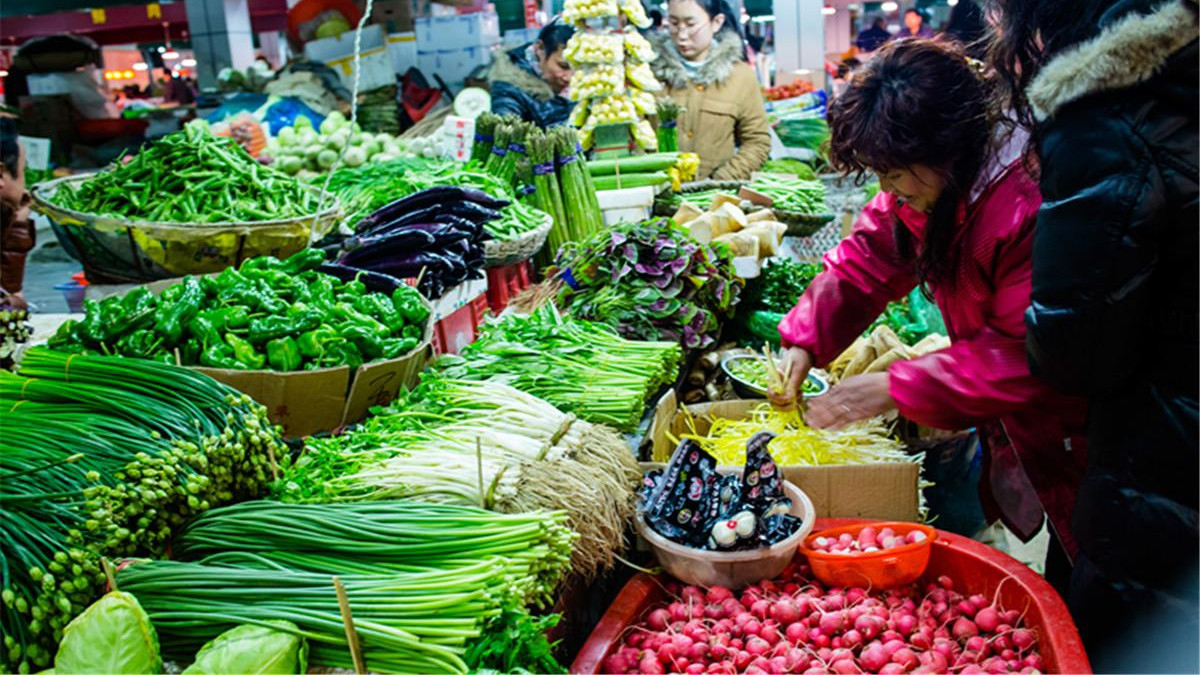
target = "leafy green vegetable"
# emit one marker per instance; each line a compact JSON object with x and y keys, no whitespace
{"x":779,"y":287}
{"x":789,"y":165}
{"x":516,"y":643}
{"x":650,"y":281}
{"x":253,"y":650}
{"x":113,"y":635}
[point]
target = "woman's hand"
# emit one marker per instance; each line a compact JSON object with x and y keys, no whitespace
{"x":857,"y":398}
{"x":800,"y":362}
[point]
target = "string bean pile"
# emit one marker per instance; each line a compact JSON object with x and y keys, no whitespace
{"x":424,"y":582}
{"x":480,"y":443}
{"x":105,"y":456}
{"x":191,"y":176}
{"x":578,"y":366}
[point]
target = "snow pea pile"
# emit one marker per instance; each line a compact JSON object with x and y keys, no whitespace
{"x":191,"y":177}
{"x":283,"y":315}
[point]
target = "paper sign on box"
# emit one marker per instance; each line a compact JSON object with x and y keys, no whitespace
{"x":885,"y":491}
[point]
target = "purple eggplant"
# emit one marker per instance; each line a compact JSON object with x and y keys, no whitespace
{"x":468,"y":210}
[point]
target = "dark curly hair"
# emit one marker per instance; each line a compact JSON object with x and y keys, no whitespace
{"x":917,"y":102}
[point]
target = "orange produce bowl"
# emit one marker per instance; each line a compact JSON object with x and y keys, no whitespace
{"x":879,"y":569}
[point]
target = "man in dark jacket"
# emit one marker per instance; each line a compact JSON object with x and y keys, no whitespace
{"x":530,"y":81}
{"x":1115,"y":317}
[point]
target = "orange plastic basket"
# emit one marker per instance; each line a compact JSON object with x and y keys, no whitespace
{"x":877,"y":570}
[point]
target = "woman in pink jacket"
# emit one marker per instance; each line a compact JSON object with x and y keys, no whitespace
{"x":956,"y":214}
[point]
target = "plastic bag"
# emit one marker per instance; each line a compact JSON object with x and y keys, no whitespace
{"x":251,"y":649}
{"x":112,"y":636}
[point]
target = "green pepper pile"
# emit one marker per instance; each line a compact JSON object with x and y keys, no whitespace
{"x":191,"y":176}
{"x":283,"y":315}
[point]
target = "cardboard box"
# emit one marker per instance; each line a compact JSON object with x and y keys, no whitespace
{"x":882,"y":491}
{"x":454,"y":65}
{"x":306,"y":402}
{"x":439,"y":33}
{"x":402,"y":49}
{"x":338,"y":53}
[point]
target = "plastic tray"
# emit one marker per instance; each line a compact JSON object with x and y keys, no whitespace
{"x":734,"y":569}
{"x":975,"y":568}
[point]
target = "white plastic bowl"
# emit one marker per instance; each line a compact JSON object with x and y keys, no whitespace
{"x":732,"y":569}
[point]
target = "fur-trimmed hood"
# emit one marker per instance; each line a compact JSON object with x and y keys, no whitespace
{"x":512,"y":67}
{"x":727,"y":51}
{"x":1129,"y":51}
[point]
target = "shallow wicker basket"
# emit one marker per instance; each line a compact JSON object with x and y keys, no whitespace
{"x":501,"y":253}
{"x":803,"y":224}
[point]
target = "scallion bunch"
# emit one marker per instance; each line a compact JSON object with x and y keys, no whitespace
{"x":105,"y":456}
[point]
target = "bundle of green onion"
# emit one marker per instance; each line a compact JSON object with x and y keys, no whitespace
{"x":480,"y":443}
{"x":104,"y":456}
{"x":578,"y":366}
{"x":424,"y":582}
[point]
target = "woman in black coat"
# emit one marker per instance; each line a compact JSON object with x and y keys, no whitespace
{"x":1111,"y":89}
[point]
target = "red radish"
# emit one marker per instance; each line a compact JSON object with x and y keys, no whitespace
{"x":995,"y":665}
{"x":815,"y":671}
{"x":906,"y":624}
{"x":1012,"y":617}
{"x":1008,"y":655}
{"x":891,"y":636}
{"x":785,"y":612}
{"x":770,"y":634}
{"x":692,"y":594}
{"x":844,"y":667}
{"x":795,"y":633}
{"x":966,"y":607}
{"x":757,"y":646}
{"x":719,"y":594}
{"x":946,"y":582}
{"x":893,"y":646}
{"x":694,"y":669}
{"x":615,"y":664}
{"x":976,"y":644}
{"x":945,"y":647}
{"x":679,"y":611}
{"x":1030,"y":671}
{"x":972,"y":669}
{"x":874,"y":657}
{"x":752,"y":627}
{"x":714,"y":611}
{"x":964,"y":628}
{"x":906,"y":657}
{"x":761,"y":609}
{"x":892,"y":669}
{"x":869,"y":626}
{"x":821,"y":641}
{"x":915,"y":537}
{"x":934,"y":661}
{"x":1034,"y":661}
{"x":650,"y":665}
{"x":737,"y":644}
{"x":852,"y":638}
{"x":659,"y":619}
{"x":1022,"y":638}
{"x":832,"y":623}
{"x":717,"y":652}
{"x":742,"y":659}
{"x":835,"y":601}
{"x":921,"y":639}
{"x":988,"y":619}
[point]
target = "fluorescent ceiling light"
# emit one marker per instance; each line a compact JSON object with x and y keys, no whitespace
{"x":171,"y":55}
{"x":140,"y":66}
{"x":828,"y":10}
{"x":765,"y":18}
{"x":889,"y":7}
{"x":188,"y":63}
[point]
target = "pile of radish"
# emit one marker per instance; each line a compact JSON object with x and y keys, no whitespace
{"x":793,"y":625}
{"x":868,"y":541}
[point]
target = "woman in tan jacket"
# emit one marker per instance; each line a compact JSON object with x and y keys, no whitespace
{"x":704,"y":69}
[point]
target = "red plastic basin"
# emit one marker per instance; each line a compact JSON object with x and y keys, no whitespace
{"x":974,"y":567}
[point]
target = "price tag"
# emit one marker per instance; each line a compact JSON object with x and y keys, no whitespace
{"x":99,"y":16}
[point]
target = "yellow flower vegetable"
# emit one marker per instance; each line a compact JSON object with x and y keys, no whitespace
{"x":638,"y":48}
{"x":594,"y":48}
{"x":578,"y":10}
{"x":635,"y":12}
{"x":640,"y":76}
{"x":597,"y":81}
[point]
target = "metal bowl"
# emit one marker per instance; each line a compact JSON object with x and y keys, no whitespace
{"x":749,"y":390}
